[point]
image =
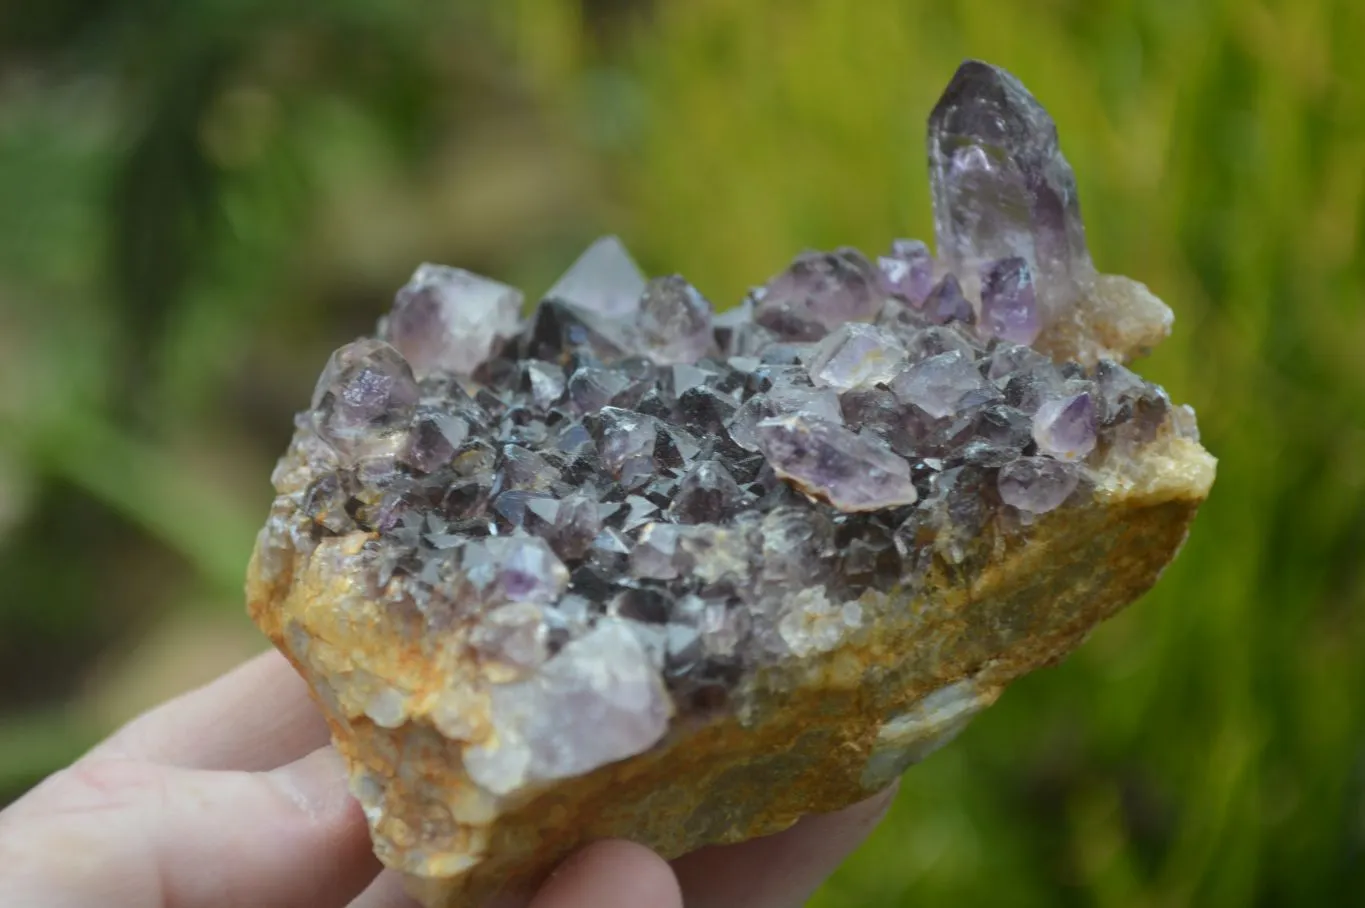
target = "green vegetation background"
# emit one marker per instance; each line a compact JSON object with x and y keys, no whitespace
{"x":198,"y":200}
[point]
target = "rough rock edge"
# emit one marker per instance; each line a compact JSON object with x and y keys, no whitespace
{"x":825,"y":733}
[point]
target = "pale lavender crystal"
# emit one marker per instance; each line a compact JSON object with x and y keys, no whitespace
{"x":604,"y":280}
{"x":853,"y":472}
{"x":908,"y":272}
{"x":856,"y":354}
{"x":674,"y":321}
{"x":1009,"y":306}
{"x":946,"y":303}
{"x":364,"y":399}
{"x":1065,"y":427}
{"x":818,"y":292}
{"x":1036,"y":484}
{"x":944,"y":384}
{"x":598,"y":700}
{"x":1001,"y":187}
{"x":515,"y":569}
{"x":448,"y":319}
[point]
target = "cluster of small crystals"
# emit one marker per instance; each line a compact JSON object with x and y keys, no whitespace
{"x":729,"y":487}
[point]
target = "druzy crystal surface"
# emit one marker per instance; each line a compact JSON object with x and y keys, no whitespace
{"x":511,"y":552}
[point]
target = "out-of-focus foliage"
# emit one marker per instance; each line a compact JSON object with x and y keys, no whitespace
{"x":198,"y":200}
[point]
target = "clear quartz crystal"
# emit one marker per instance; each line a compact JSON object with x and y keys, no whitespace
{"x":856,"y":354}
{"x":364,"y":399}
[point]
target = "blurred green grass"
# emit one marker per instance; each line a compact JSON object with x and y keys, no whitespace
{"x":198,"y":200}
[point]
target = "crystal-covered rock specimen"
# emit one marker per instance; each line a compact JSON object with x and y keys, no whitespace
{"x":629,"y":569}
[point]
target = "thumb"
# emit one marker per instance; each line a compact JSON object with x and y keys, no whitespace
{"x":127,"y":834}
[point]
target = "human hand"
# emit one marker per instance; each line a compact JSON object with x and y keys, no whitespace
{"x":229,"y":796}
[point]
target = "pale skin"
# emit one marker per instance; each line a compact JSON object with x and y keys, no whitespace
{"x":210,"y":801}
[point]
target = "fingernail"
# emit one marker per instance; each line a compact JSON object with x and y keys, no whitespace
{"x":316,"y":783}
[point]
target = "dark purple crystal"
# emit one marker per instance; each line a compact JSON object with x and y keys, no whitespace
{"x":945,"y":303}
{"x":1009,"y":307}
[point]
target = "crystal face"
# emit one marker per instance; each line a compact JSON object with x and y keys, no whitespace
{"x":604,"y":280}
{"x":448,"y":319}
{"x":626,"y":507}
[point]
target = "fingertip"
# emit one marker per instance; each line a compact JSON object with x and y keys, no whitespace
{"x":611,"y":874}
{"x":784,"y":869}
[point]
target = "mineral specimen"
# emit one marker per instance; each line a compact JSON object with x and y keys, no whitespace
{"x":630,"y":568}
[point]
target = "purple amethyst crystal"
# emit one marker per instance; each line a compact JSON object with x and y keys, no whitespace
{"x":819,"y":292}
{"x":945,"y":303}
{"x":1001,"y":187}
{"x":1036,"y":484}
{"x":1009,"y":307}
{"x":852,"y":472}
{"x":448,"y":319}
{"x":1065,"y":427}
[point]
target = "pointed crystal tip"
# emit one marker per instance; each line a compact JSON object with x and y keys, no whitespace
{"x":604,"y":280}
{"x":988,"y":104}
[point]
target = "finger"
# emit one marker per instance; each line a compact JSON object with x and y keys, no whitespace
{"x":257,"y":716}
{"x":783,"y":870}
{"x":126,"y":834}
{"x":611,"y":874}
{"x":385,"y":892}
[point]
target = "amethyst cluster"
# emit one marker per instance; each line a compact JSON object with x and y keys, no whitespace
{"x":732,"y":488}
